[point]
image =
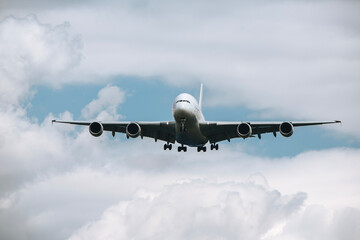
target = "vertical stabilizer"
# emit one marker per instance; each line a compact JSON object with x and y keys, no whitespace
{"x":201,"y":96}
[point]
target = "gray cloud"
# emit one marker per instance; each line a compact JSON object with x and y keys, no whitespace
{"x":40,"y":4}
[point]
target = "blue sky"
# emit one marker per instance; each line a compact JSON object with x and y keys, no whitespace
{"x":128,"y":60}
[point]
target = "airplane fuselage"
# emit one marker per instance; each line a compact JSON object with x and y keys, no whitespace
{"x":188,"y":115}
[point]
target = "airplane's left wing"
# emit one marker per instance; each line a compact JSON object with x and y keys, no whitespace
{"x":164,"y":131}
{"x":219,"y":131}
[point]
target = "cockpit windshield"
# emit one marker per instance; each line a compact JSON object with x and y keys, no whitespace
{"x":187,"y":101}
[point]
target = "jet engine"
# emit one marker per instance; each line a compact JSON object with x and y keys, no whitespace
{"x":244,"y":130}
{"x":133,"y":130}
{"x":286,"y":129}
{"x":96,"y":129}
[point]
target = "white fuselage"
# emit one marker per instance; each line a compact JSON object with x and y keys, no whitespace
{"x":187,"y":115}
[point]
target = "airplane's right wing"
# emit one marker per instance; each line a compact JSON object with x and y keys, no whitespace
{"x":220,"y":131}
{"x":164,"y":131}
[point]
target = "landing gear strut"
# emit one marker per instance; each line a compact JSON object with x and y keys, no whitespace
{"x":201,"y":148}
{"x":182,"y":126}
{"x":182,"y":148}
{"x":167,"y":146}
{"x":214,"y":146}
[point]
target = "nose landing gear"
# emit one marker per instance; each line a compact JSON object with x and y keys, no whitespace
{"x":182,"y":126}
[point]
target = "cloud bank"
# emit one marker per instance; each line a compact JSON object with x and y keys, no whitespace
{"x":196,"y":209}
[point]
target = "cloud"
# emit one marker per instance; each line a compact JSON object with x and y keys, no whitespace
{"x":56,"y":203}
{"x":196,"y":209}
{"x":31,"y":149}
{"x":319,"y":222}
{"x":39,"y":4}
{"x":74,"y":188}
{"x":104,"y":108}
{"x":33,"y":53}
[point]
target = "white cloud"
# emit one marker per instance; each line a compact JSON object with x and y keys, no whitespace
{"x":88,"y":175}
{"x":199,"y":209}
{"x":319,"y":222}
{"x":33,"y":53}
{"x":196,"y":209}
{"x":105,"y":106}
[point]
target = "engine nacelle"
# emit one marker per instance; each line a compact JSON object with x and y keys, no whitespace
{"x":244,"y":130}
{"x":133,"y":130}
{"x":286,"y":129}
{"x":96,"y":129}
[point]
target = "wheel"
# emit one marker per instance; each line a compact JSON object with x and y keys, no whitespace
{"x":185,"y":149}
{"x":170,"y":146}
{"x":179,"y":149}
{"x":217,"y":147}
{"x":198,"y":149}
{"x":212,"y":147}
{"x":165,"y":147}
{"x":204,"y":149}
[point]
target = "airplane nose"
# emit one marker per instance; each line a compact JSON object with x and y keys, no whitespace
{"x":181,"y":110}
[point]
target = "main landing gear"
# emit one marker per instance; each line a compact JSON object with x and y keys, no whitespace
{"x":201,"y":148}
{"x":214,"y":146}
{"x":167,"y":146}
{"x":182,"y":148}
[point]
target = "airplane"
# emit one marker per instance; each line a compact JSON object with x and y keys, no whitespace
{"x":189,"y":127}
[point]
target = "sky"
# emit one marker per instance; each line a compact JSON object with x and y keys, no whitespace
{"x":127,"y":61}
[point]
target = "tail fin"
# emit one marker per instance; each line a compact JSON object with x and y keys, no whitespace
{"x":201,"y":96}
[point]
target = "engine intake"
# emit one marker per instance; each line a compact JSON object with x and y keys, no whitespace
{"x":244,"y":130}
{"x":286,"y":129}
{"x":133,"y":130}
{"x":96,"y":129}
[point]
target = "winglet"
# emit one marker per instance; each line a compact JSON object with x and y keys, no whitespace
{"x":337,"y":121}
{"x":52,"y":121}
{"x":201,"y":96}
